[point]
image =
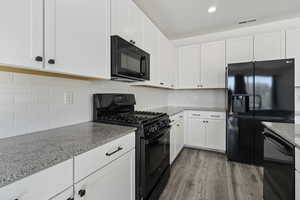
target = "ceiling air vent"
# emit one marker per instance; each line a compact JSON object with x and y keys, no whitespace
{"x":247,"y":21}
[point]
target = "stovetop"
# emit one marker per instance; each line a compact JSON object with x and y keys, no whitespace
{"x":130,"y":118}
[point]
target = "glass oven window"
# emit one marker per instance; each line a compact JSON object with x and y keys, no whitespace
{"x":130,"y":63}
{"x":158,"y":151}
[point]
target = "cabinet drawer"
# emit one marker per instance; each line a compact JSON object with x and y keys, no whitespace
{"x":216,"y":115}
{"x":89,"y":162}
{"x":42,"y":185}
{"x":198,"y":114}
{"x":297,"y":159}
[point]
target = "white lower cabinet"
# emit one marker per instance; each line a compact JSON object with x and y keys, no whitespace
{"x":179,"y":135}
{"x":297,"y":185}
{"x":172,"y":142}
{"x":42,"y":185}
{"x":215,"y":137}
{"x":206,"y":130}
{"x":196,"y":132}
{"x":176,"y":136}
{"x":113,"y":182}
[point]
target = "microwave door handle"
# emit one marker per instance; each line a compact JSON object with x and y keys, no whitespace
{"x":142,"y":65}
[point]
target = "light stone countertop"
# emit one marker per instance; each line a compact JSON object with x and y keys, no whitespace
{"x":173,"y":110}
{"x":22,"y":156}
{"x":288,"y":131}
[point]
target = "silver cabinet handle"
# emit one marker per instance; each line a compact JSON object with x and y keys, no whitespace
{"x":112,"y":153}
{"x":215,"y":116}
{"x":196,"y":114}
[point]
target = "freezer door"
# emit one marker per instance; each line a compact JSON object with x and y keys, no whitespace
{"x":240,"y":132}
{"x":274,"y":90}
{"x":240,"y":84}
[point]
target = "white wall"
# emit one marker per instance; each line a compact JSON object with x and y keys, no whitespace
{"x":243,"y":31}
{"x":203,"y":98}
{"x":31,"y":103}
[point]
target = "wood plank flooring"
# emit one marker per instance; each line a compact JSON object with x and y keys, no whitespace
{"x":203,"y":175}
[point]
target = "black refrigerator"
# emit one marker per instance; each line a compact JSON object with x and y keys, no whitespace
{"x":257,"y":91}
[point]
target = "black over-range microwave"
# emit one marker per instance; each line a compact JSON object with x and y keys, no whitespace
{"x":128,"y":62}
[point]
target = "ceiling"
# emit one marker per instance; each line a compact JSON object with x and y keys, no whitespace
{"x":184,"y":18}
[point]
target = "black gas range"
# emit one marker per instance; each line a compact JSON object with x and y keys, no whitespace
{"x":152,"y":140}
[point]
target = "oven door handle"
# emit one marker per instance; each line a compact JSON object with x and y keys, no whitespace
{"x":150,"y":140}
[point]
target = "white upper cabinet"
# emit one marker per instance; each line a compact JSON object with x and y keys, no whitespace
{"x":77,"y":37}
{"x":166,"y":68}
{"x":151,"y":45}
{"x":269,"y":46}
{"x":239,"y":50}
{"x":293,"y":51}
{"x":174,"y":67}
{"x":213,"y":64}
{"x":21,"y":35}
{"x":189,"y":66}
{"x":127,"y":21}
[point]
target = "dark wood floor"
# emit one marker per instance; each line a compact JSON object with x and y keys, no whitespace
{"x":203,"y":175}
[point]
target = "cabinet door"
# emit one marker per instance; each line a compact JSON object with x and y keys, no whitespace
{"x":21,"y":35}
{"x":213,"y":64}
{"x":136,"y":21}
{"x":174,"y":67}
{"x":127,"y":21}
{"x":189,"y":66}
{"x":196,"y":132}
{"x":293,"y":51}
{"x":216,"y":134}
{"x":179,"y":136}
{"x":269,"y":46}
{"x":77,"y":37}
{"x":66,"y":195}
{"x":297,"y":185}
{"x":173,"y":133}
{"x":165,"y":61}
{"x":114,"y":182}
{"x":151,"y":44}
{"x":239,"y":50}
{"x":120,"y":18}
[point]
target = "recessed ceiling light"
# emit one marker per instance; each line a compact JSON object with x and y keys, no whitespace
{"x":212,"y":9}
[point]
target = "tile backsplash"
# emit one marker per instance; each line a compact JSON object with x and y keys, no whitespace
{"x":30,"y":103}
{"x":205,"y":98}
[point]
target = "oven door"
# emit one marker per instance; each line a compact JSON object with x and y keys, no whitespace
{"x":157,"y":159}
{"x":129,"y":61}
{"x":279,"y":170}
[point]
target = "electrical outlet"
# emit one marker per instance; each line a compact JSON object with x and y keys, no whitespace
{"x":69,"y":98}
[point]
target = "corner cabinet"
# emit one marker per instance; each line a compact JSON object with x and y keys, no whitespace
{"x":115,"y":181}
{"x":189,"y":73}
{"x":206,"y":130}
{"x":213,"y":64}
{"x":67,"y":37}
